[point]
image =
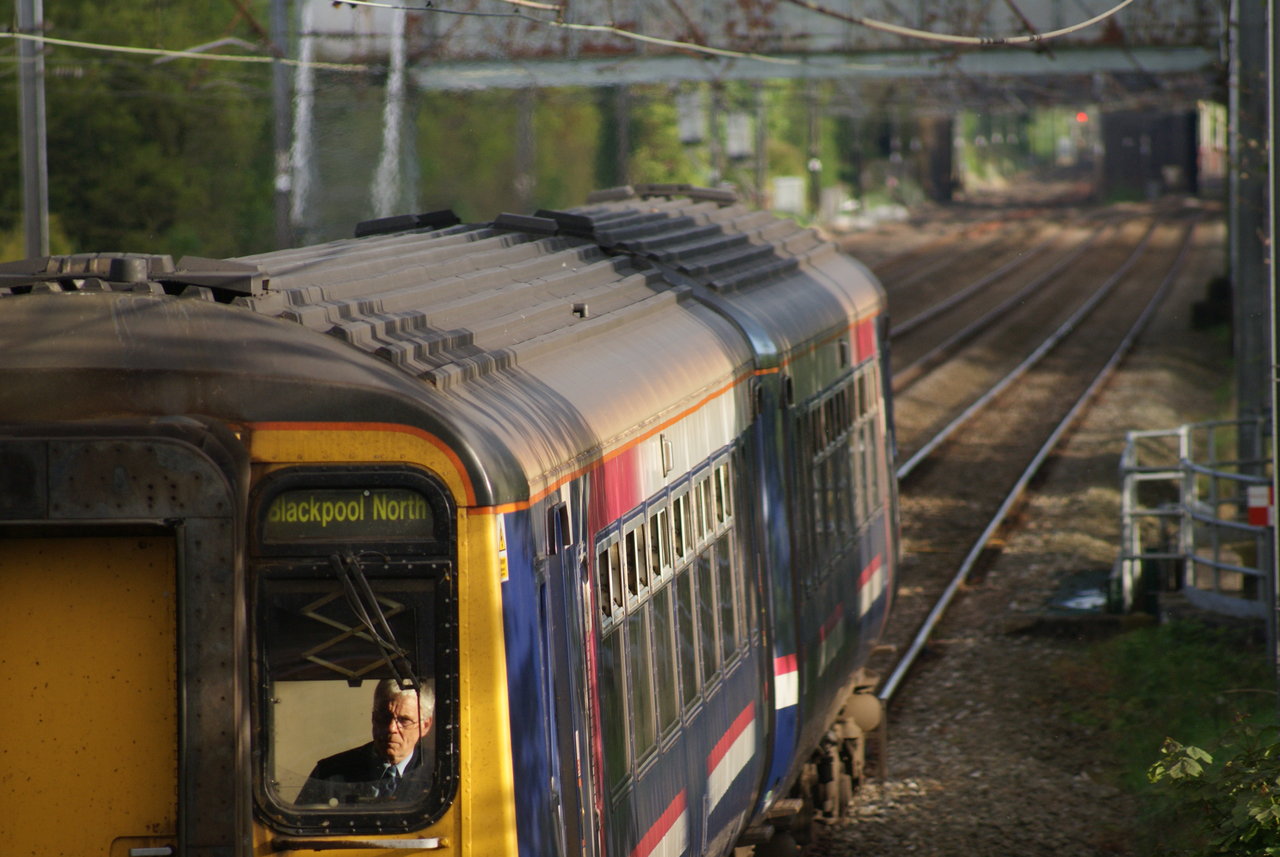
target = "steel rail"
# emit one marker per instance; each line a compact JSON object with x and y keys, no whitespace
{"x":886,"y":691}
{"x":1032,"y":359}
{"x":908,"y":375}
{"x":973,"y":288}
{"x":991,"y":244}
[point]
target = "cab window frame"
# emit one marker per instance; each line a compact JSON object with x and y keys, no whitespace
{"x":426,"y":564}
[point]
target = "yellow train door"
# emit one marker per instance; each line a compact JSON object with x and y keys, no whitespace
{"x":89,"y":696}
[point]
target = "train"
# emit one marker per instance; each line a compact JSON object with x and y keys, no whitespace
{"x":579,"y":526}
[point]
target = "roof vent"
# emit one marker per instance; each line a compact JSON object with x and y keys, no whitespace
{"x":526,"y":223}
{"x":405,"y":222}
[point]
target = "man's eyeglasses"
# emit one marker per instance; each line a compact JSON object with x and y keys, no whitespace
{"x":383,"y":718}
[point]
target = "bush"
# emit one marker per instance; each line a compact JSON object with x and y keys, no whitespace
{"x":1231,"y":806}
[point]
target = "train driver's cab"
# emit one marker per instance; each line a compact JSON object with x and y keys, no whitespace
{"x":354,"y":629}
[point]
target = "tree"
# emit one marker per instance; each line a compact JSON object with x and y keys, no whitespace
{"x":171,"y":157}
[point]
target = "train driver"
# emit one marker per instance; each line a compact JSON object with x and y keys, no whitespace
{"x":396,"y":765}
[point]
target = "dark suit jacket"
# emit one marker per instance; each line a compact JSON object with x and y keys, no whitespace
{"x":353,"y":776}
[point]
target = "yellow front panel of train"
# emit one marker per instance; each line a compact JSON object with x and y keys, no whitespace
{"x":87,"y":694}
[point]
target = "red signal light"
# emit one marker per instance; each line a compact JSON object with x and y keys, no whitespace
{"x":1082,"y":117}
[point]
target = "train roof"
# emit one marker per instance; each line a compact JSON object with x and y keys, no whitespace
{"x":550,"y":336}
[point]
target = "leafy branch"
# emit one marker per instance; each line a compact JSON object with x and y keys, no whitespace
{"x":1232,"y":802}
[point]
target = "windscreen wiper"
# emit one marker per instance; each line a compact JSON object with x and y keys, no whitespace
{"x":365,"y":605}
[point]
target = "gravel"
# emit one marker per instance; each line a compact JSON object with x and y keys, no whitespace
{"x":984,"y":757}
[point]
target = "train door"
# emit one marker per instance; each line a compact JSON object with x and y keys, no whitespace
{"x":566,"y":642}
{"x":123,"y":673}
{"x":91,"y":728}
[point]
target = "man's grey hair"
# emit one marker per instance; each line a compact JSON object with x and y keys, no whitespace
{"x":389,"y":688}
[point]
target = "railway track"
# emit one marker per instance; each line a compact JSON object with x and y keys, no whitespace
{"x":981,"y":416}
{"x":987,"y":753}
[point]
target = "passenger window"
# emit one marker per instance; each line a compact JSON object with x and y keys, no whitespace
{"x":659,"y":544}
{"x":706,"y":615}
{"x":723,"y":507}
{"x":729,"y":630}
{"x":664,"y":660}
{"x":863,"y":463}
{"x":699,"y":509}
{"x":613,"y":708}
{"x":844,"y":495}
{"x":610,"y":573}
{"x":680,"y":526}
{"x":706,"y":500}
{"x":687,"y":634}
{"x":602,"y":581}
{"x":632,"y":571}
{"x":638,"y":671}
{"x":637,"y":560}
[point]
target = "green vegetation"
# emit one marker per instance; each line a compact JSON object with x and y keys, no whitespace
{"x":1231,"y":804}
{"x":1202,"y":687}
{"x":168,"y":156}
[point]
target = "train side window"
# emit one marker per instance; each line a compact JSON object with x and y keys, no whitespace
{"x":682,"y":536}
{"x":613,"y":708}
{"x":724,"y":495}
{"x":846,"y":474}
{"x":659,"y":543}
{"x":602,"y":581}
{"x":667,"y":697}
{"x":609,"y":572}
{"x":831,"y":420}
{"x":687,"y":634}
{"x":879,"y":464}
{"x":637,"y":560}
{"x":834,"y":529}
{"x":709,"y":502}
{"x":864,"y":467}
{"x":702,"y":511}
{"x":817,"y":498}
{"x":706,"y":615}
{"x":730,"y":632}
{"x":640,"y":697}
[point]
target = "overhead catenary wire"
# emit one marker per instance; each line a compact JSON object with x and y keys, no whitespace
{"x":611,"y":29}
{"x":952,"y":39}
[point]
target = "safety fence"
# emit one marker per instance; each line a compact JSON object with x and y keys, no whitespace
{"x":1197,"y":516}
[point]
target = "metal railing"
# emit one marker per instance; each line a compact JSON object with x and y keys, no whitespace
{"x":1185,"y":521}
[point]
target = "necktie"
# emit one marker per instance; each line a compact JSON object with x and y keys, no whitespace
{"x":388,"y":782}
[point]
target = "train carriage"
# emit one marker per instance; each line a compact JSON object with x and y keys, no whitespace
{"x":608,"y":490}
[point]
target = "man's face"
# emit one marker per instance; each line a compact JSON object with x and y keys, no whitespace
{"x":397,"y":726}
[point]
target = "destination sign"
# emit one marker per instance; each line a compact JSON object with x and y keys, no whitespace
{"x":348,"y":514}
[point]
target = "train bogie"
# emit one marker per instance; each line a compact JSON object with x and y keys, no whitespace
{"x":563,"y":534}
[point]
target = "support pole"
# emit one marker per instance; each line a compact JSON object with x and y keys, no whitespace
{"x":1273,"y":137}
{"x":35,"y":164}
{"x":281,"y":103}
{"x":622,"y":122}
{"x":762,"y":146}
{"x":814,"y":163}
{"x":1248,"y":96}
